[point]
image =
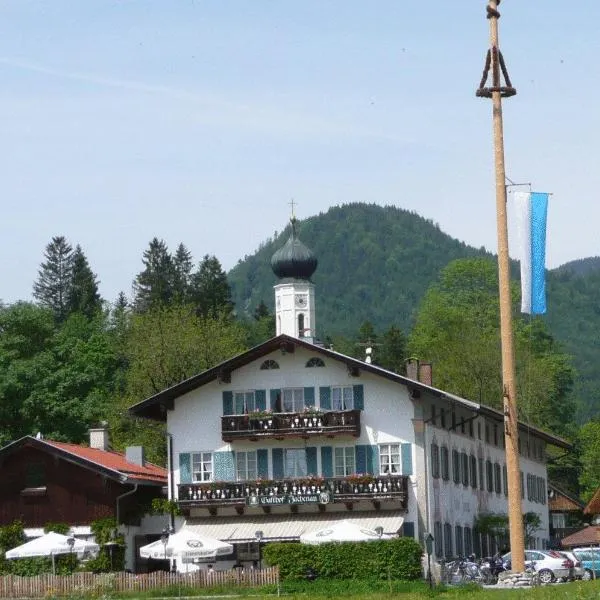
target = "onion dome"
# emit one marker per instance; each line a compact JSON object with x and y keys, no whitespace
{"x":294,"y":260}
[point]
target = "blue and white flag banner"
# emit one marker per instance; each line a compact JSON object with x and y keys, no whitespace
{"x":531,"y":211}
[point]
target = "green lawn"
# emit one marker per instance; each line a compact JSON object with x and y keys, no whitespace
{"x":378,"y":590}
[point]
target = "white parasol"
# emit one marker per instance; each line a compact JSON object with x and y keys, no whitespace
{"x":51,"y":544}
{"x":342,"y":531}
{"x":187,"y":544}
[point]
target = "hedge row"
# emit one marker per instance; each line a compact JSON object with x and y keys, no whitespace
{"x":398,"y":559}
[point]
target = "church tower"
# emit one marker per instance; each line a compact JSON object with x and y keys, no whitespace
{"x":294,"y":265}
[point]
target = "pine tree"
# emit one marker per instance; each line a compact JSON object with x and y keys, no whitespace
{"x":153,"y":287}
{"x":83,"y":296}
{"x":53,"y":285}
{"x":211,"y":294}
{"x":182,"y":271}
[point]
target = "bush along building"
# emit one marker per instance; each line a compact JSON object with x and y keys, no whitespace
{"x":290,"y":437}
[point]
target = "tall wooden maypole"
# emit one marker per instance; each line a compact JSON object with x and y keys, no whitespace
{"x":496,"y":92}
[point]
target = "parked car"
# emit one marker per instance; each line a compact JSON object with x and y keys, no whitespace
{"x":578,"y":571}
{"x":590,"y":561}
{"x":550,"y":564}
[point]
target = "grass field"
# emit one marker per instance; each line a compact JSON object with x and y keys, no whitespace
{"x":378,"y":590}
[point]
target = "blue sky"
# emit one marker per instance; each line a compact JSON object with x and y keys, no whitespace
{"x":198,"y":121}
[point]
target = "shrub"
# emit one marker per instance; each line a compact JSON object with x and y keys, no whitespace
{"x":398,"y":559}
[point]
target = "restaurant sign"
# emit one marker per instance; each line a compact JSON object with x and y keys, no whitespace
{"x":314,"y":498}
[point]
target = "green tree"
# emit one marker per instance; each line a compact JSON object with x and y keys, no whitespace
{"x":83,"y":295}
{"x":153,"y":286}
{"x":26,"y":330}
{"x":261,"y":327}
{"x":57,"y":379}
{"x":182,"y":272}
{"x":53,"y":284}
{"x":457,"y":329}
{"x":74,"y":380}
{"x":211,"y":293}
{"x":165,"y":346}
{"x":589,"y":446}
{"x":391,"y":353}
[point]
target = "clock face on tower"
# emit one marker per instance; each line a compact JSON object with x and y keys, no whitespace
{"x":300,"y":300}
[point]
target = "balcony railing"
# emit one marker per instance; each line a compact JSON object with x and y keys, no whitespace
{"x":300,"y":424}
{"x":340,"y":489}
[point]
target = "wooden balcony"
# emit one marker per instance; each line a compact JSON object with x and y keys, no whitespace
{"x":308,"y":490}
{"x":284,"y":425}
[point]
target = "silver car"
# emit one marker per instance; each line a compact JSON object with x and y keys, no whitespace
{"x":550,"y":564}
{"x":577,"y":572}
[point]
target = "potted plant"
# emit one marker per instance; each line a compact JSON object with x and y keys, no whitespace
{"x":260,"y":415}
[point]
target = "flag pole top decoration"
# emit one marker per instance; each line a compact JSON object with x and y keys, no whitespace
{"x":531,"y":209}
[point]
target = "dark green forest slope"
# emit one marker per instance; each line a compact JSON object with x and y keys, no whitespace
{"x":375,"y":263}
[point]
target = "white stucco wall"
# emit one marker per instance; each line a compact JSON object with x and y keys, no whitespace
{"x":195,"y":423}
{"x":457,"y":504}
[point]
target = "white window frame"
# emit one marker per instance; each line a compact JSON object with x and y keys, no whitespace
{"x":248,"y":401}
{"x":202,"y":466}
{"x":246,"y":465}
{"x":294,"y":463}
{"x":390,"y":459}
{"x":292,"y":400}
{"x":344,"y":461}
{"x":342,"y":397}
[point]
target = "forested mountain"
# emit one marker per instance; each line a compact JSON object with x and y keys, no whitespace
{"x":376,"y":263}
{"x":582,"y":266}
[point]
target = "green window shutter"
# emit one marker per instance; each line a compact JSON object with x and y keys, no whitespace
{"x":277,"y":456}
{"x":224,"y":466}
{"x":262,"y":463}
{"x":311,"y":461}
{"x":260,"y":399}
{"x":327,"y":461}
{"x":406,"y":454}
{"x":309,"y":396}
{"x":408,"y":529}
{"x":273,"y":396}
{"x":185,"y":467}
{"x":325,"y":398}
{"x":373,"y":460}
{"x":240,"y":408}
{"x":359,"y":397}
{"x":227,"y":403}
{"x":361,"y":458}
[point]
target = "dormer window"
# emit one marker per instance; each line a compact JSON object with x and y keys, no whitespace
{"x":315,"y":361}
{"x":269,"y":365}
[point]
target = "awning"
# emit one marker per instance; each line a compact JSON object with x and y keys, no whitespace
{"x":291,"y":526}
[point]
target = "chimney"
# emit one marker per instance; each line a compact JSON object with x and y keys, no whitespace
{"x":135,"y":455}
{"x":412,"y":368}
{"x":425,"y":374}
{"x":99,"y":438}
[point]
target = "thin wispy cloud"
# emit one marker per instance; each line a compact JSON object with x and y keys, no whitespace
{"x":257,"y":117}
